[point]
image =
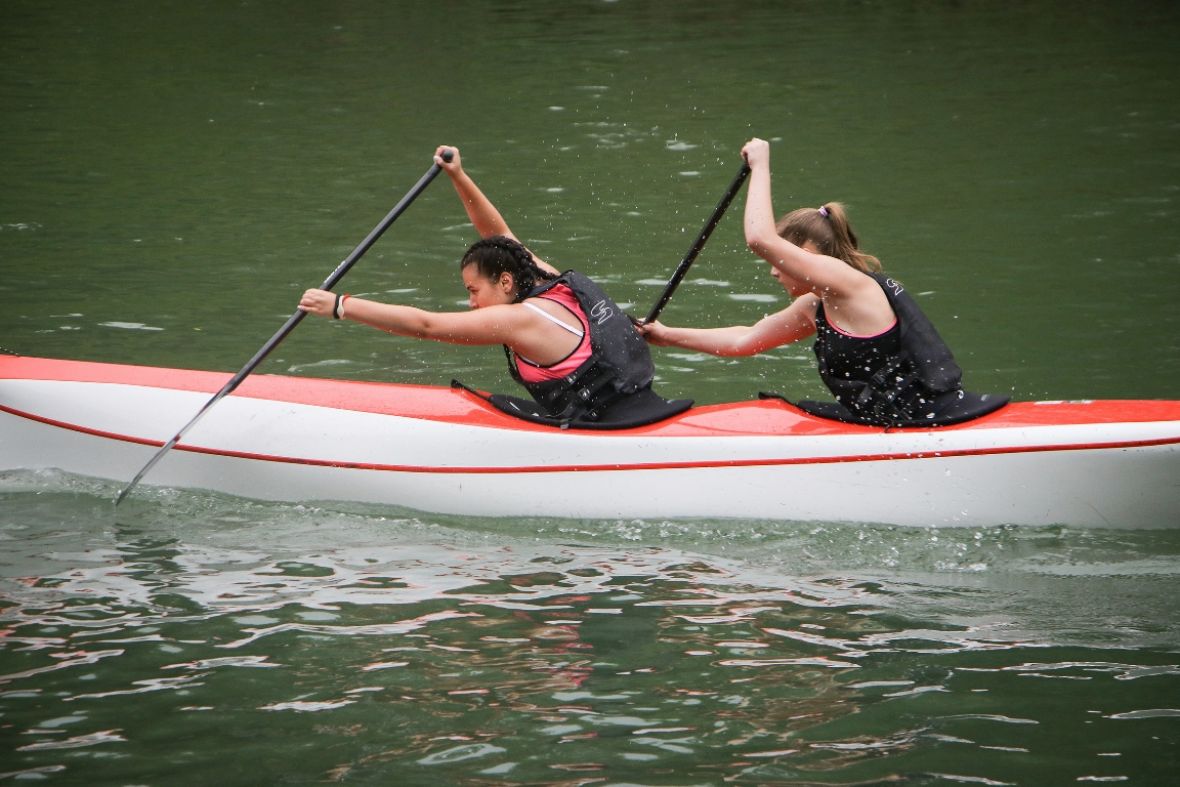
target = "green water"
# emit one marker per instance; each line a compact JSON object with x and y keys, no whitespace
{"x":174,"y":175}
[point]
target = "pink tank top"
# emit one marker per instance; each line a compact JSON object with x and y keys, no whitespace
{"x":532,"y":372}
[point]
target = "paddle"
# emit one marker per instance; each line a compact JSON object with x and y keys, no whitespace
{"x":295,"y":318}
{"x":698,"y":244}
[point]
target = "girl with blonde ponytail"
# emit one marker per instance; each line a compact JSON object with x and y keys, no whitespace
{"x":877,"y":352}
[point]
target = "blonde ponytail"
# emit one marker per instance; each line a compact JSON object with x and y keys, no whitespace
{"x":827,"y":228}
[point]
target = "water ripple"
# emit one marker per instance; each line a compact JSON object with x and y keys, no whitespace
{"x":521,"y":650}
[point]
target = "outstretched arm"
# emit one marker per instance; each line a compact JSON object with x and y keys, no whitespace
{"x":483,"y":214}
{"x":491,"y":325}
{"x":789,"y":325}
{"x":511,"y":324}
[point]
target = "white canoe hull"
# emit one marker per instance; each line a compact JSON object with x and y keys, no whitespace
{"x":1095,"y":464}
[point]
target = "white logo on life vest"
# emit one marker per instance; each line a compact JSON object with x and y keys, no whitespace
{"x":600,"y":312}
{"x":895,"y":286}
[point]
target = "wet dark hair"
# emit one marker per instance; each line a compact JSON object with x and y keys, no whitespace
{"x":500,"y":254}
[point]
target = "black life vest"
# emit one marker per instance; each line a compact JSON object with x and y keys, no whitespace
{"x":917,"y":384}
{"x":619,"y":365}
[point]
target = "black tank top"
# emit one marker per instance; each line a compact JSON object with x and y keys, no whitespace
{"x":905,"y":376}
{"x":880,"y":379}
{"x":853,"y":358}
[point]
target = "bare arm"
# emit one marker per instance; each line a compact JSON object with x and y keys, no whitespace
{"x":825,"y":276}
{"x":491,"y":325}
{"x":483,"y":214}
{"x":512,"y":324}
{"x":795,"y":322}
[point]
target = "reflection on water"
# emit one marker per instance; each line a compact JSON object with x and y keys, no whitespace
{"x":349,"y":645}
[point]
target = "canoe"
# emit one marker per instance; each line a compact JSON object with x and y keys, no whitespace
{"x":448,"y":451}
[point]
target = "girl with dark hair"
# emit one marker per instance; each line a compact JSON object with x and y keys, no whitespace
{"x":877,"y":353}
{"x":567,"y":342}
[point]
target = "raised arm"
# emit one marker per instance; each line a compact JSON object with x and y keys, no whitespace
{"x":817,"y":273}
{"x":483,"y":214}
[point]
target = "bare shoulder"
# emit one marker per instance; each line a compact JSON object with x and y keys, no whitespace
{"x":865,"y":286}
{"x":841,"y":279}
{"x":802,"y":309}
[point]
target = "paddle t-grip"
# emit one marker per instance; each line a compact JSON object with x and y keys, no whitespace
{"x":448,"y":155}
